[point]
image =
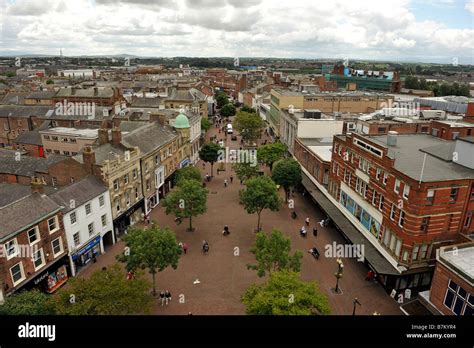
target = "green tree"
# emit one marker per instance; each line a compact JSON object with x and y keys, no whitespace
{"x":205,"y":124}
{"x":270,"y":153}
{"x":248,"y":109}
{"x":273,"y":254}
{"x":249,"y":125}
{"x":10,"y":74}
{"x":228,"y":110}
{"x":210,"y":153}
{"x":285,"y":294}
{"x":106,"y":292}
{"x":287,"y":173}
{"x":221,"y":100}
{"x":153,"y":248}
{"x":188,"y":199}
{"x":261,"y":193}
{"x":245,"y":170}
{"x":188,"y":173}
{"x":31,"y":302}
{"x":49,"y":82}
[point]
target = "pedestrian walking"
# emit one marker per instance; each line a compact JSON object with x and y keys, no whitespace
{"x":303,"y":231}
{"x":162,"y":298}
{"x":314,"y":251}
{"x":185,"y":248}
{"x":231,"y":179}
{"x":307,"y":221}
{"x":226,"y":230}
{"x":208,"y":178}
{"x":205,"y":246}
{"x":225,"y":182}
{"x":315,"y":231}
{"x":321,"y":223}
{"x":167,"y":296}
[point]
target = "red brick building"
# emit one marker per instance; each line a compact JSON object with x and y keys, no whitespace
{"x":450,"y":130}
{"x":406,"y":195}
{"x":32,"y":241}
{"x":99,"y":96}
{"x":452,"y":289}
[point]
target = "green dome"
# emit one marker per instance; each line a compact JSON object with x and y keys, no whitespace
{"x":181,"y":121}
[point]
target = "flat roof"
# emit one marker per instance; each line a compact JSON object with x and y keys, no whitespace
{"x":322,"y":151}
{"x":86,"y":132}
{"x":461,"y":258}
{"x":409,"y":153}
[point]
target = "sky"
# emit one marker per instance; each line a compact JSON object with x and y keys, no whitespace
{"x":394,"y":30}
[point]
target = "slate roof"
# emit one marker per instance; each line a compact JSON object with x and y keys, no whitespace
{"x":25,"y":212}
{"x":102,"y":92}
{"x":23,"y":110}
{"x":81,"y":191}
{"x":27,"y":165}
{"x":150,"y":137}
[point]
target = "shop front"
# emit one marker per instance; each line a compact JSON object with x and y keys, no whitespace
{"x":86,"y":254}
{"x":51,"y":279}
{"x":132,"y":215}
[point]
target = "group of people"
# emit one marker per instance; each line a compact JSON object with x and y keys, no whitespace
{"x":165,"y":297}
{"x":303,"y":231}
{"x":323,"y":223}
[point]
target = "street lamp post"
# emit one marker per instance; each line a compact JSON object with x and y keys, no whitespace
{"x":356,"y":302}
{"x":338,"y":274}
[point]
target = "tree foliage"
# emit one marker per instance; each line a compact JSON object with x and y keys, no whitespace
{"x":261,"y":193}
{"x":245,"y":170}
{"x":221,"y":99}
{"x":31,"y":302}
{"x":188,"y":173}
{"x":249,"y":125}
{"x":248,"y":109}
{"x":188,"y":199}
{"x":273,"y":254}
{"x":106,"y":292}
{"x":205,"y":124}
{"x":210,"y":153}
{"x":285,"y":294}
{"x":287,"y":173}
{"x":153,"y":248}
{"x":270,"y":153}
{"x":228,"y":110}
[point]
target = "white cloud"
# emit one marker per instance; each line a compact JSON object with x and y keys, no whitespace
{"x":297,"y":28}
{"x":469,"y":6}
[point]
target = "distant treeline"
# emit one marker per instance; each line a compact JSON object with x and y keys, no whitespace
{"x":412,"y":82}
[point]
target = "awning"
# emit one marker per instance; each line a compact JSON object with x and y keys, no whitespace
{"x":372,"y":256}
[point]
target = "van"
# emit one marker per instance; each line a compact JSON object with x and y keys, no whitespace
{"x":229,"y":129}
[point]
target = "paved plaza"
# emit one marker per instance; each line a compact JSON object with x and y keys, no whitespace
{"x":222,"y":273}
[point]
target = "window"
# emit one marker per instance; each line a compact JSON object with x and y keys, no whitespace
{"x":392,"y":212}
{"x":468,"y":220}
{"x":377,"y":173}
{"x":11,"y":248}
{"x":54,"y":180}
{"x":398,"y":247}
{"x":381,"y":202}
{"x":17,"y":273}
{"x":76,"y":238}
{"x":127,"y":198}
{"x":135,"y":173}
{"x":104,"y":220}
{"x":424,"y":250}
{"x":33,"y":236}
{"x":385,"y":178}
{"x":73,"y":218}
{"x":88,"y":209}
{"x":90,"y":228}
{"x":72,"y":180}
{"x":116,"y":184}
{"x":458,"y":300}
{"x":54,"y":138}
{"x":148,"y":185}
{"x":38,"y":259}
{"x":364,"y":165}
{"x":136,"y":192}
{"x":101,"y":201}
{"x":374,"y":197}
{"x":125,"y":179}
{"x":401,"y":220}
{"x":430,"y":196}
{"x":472,"y":194}
{"x":53,"y":225}
{"x":46,"y":137}
{"x":424,"y":224}
{"x":57,"y":152}
{"x":72,"y":140}
{"x":146,"y":167}
{"x":405,"y":255}
{"x":67,"y":153}
{"x":406,"y":191}
{"x":57,"y":245}
{"x":414,"y":254}
{"x":454,"y":194}
{"x":157,"y":159}
{"x":117,"y":205}
{"x":397,"y":186}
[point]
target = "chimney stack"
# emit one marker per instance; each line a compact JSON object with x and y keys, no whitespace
{"x":88,"y":157}
{"x":160,"y":118}
{"x":37,"y":185}
{"x":392,"y":138}
{"x":103,"y":136}
{"x":116,"y":136}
